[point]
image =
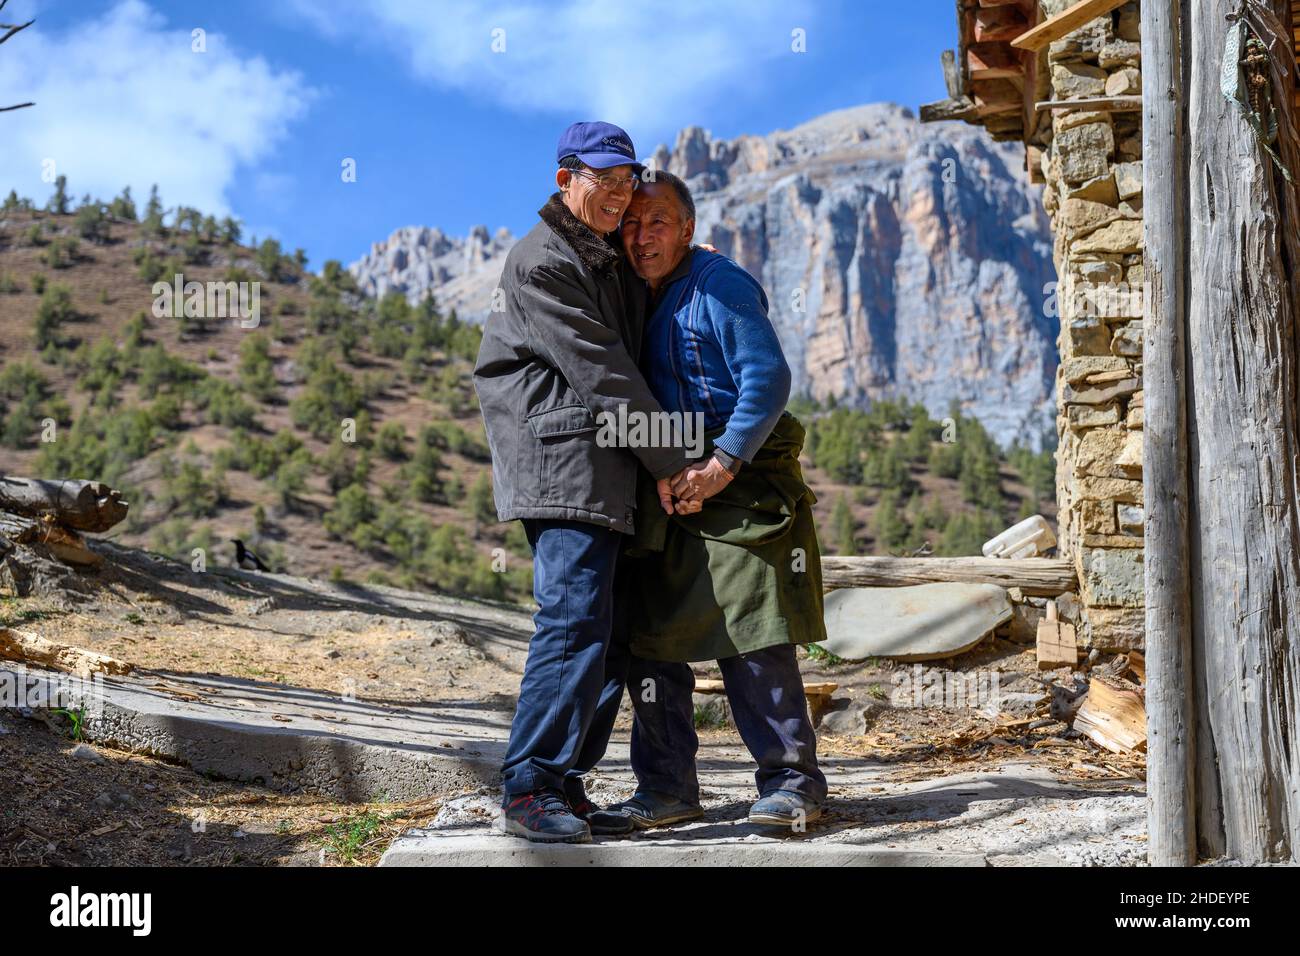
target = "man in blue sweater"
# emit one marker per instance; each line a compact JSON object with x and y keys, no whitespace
{"x":715,"y":588}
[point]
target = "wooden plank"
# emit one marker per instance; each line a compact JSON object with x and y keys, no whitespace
{"x":711,"y":685}
{"x":1098,"y":104}
{"x":1036,"y":577}
{"x":1064,"y":23}
{"x":1171,"y":808}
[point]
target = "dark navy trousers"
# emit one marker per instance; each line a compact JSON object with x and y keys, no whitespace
{"x":573,"y":583}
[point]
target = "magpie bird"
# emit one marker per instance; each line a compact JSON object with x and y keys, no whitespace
{"x":247,"y":559}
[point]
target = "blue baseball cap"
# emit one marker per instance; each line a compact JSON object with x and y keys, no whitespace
{"x":599,"y":145}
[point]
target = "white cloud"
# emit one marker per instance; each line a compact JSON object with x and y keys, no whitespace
{"x":645,"y":66}
{"x":122,"y":100}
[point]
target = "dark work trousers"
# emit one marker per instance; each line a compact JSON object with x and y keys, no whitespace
{"x":573,"y":583}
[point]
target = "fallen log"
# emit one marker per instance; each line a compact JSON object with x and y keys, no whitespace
{"x":30,"y":648}
{"x":1036,"y":577}
{"x":83,"y":505}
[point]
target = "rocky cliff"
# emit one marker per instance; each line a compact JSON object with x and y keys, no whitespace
{"x":900,"y":260}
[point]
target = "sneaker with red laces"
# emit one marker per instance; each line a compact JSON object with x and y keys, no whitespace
{"x":544,"y":816}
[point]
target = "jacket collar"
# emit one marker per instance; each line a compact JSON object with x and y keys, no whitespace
{"x":593,"y":251}
{"x":683,"y":269}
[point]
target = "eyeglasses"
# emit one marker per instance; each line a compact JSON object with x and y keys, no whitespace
{"x":609,"y":183}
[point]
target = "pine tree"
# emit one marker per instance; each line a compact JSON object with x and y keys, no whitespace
{"x":123,"y":207}
{"x":479,"y":503}
{"x":891,"y":527}
{"x":58,"y":203}
{"x":230,"y":230}
{"x":843,"y":524}
{"x":152,"y":225}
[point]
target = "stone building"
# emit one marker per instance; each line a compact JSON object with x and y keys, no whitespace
{"x":1064,"y":77}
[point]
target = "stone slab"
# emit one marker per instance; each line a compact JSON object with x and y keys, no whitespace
{"x":918,"y":623}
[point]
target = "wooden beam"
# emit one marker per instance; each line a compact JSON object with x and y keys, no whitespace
{"x":1036,"y":577}
{"x":1064,"y":23}
{"x":951,"y":75}
{"x":1096,"y":104}
{"x":1034,"y":165}
{"x":990,"y":61}
{"x":997,"y":96}
{"x":954,"y":109}
{"x":998,"y":23}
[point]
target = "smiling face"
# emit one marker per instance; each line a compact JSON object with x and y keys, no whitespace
{"x":599,"y":210}
{"x":656,"y":233}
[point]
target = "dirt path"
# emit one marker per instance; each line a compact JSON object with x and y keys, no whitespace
{"x":925,"y":776}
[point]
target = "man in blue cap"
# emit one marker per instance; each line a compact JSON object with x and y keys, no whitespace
{"x":562,"y":352}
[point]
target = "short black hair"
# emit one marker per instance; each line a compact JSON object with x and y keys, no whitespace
{"x":679,"y":187}
{"x":572,"y":162}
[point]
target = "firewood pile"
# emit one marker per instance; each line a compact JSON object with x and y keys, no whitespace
{"x":42,"y":524}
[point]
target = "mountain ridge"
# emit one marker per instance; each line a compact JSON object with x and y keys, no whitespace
{"x":901,"y":260}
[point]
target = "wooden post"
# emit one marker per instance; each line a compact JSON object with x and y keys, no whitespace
{"x":1244,"y":418}
{"x":1171,"y":817}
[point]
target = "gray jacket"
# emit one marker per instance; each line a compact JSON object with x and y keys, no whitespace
{"x":565,"y":349}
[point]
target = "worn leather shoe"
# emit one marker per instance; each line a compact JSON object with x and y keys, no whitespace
{"x":650,"y":808}
{"x":784,"y":808}
{"x":602,"y":822}
{"x":544,"y":816}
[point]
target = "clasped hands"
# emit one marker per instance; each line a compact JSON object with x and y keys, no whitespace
{"x":691,"y":486}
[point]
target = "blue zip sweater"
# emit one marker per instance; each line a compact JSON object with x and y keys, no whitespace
{"x":710,"y":347}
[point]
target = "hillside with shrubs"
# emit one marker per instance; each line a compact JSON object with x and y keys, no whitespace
{"x":341,"y":436}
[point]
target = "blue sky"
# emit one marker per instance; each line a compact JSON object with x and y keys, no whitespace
{"x":445,"y":129}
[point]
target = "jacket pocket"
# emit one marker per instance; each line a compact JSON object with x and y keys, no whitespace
{"x":560,"y":421}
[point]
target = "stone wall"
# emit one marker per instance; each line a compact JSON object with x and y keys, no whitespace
{"x":1092,"y":165}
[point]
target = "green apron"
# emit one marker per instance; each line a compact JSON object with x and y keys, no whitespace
{"x":743,"y":574}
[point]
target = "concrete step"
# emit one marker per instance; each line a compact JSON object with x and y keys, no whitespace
{"x":481,"y":846}
{"x":291,"y":738}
